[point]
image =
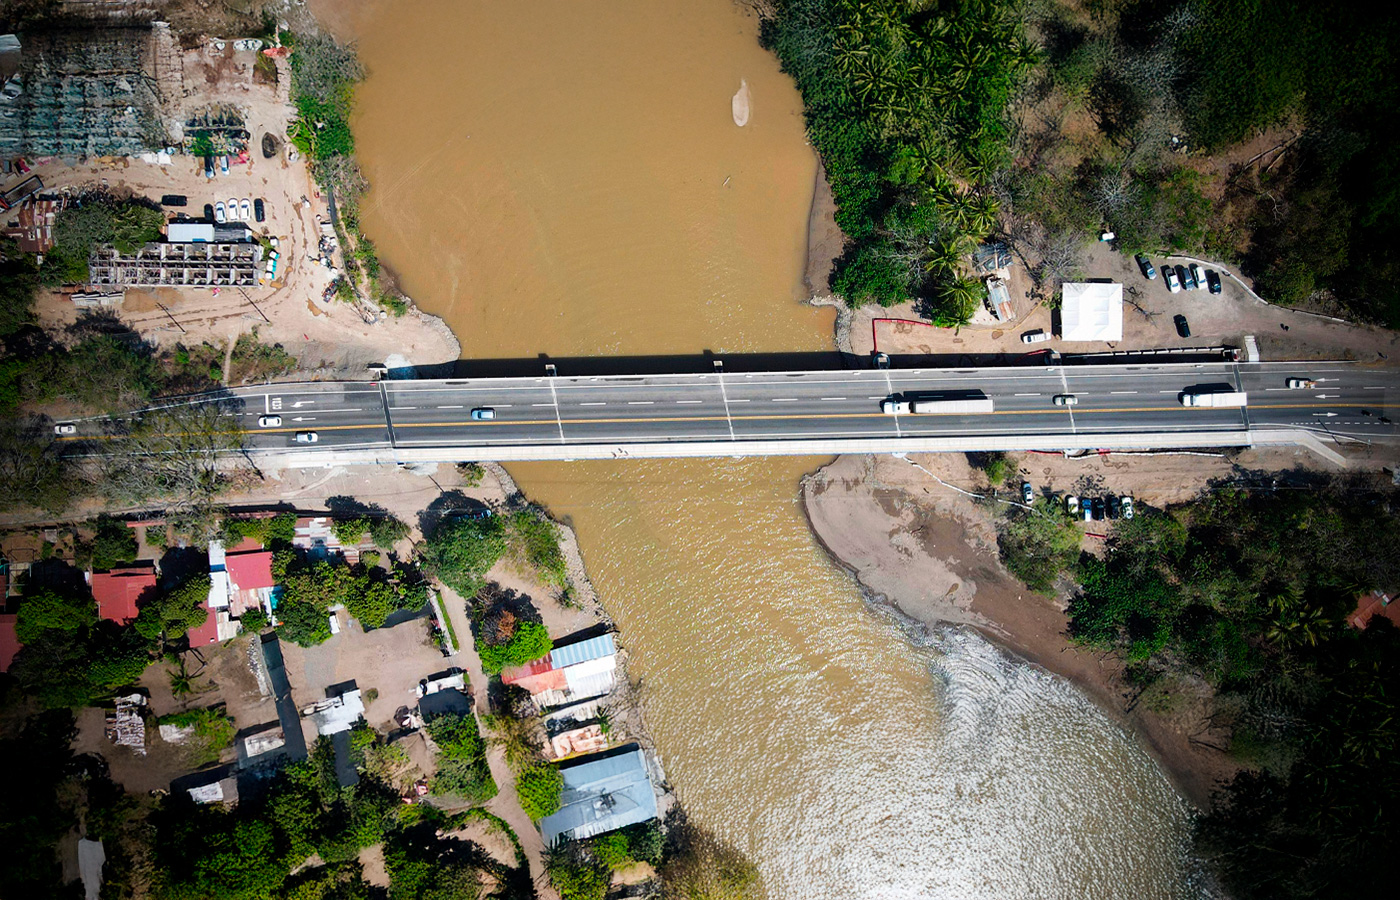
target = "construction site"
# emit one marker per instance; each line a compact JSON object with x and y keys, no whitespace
{"x":79,"y":93}
{"x":201,"y":264}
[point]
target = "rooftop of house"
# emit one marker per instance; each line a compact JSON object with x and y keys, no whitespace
{"x":119,"y":592}
{"x":250,"y":570}
{"x":602,"y":794}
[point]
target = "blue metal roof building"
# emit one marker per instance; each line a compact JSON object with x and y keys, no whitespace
{"x":602,"y":795}
{"x":598,"y":647}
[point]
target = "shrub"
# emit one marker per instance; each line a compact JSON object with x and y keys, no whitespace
{"x":1038,"y":544}
{"x":461,"y":763}
{"x":460,"y":552}
{"x":538,"y":789}
{"x":113,"y":543}
{"x":534,"y":540}
{"x":530,"y":642}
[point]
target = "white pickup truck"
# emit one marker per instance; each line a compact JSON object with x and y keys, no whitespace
{"x":1217,"y":398}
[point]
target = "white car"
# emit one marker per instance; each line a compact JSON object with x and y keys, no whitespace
{"x":1066,"y":400}
{"x":1035,"y":337}
{"x":1072,"y":505}
{"x":1173,"y":284}
{"x":233,"y":209}
{"x":1127,"y":507}
{"x":269,"y":421}
{"x":1086,"y":509}
{"x":65,"y":428}
{"x":1301,"y":384}
{"x":1198,"y":276}
{"x":245,"y":210}
{"x":220,"y":213}
{"x":307,"y":437}
{"x":1027,"y":493}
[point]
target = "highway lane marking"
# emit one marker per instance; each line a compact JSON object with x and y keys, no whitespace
{"x":724,"y":395}
{"x":558,"y":418}
{"x":640,"y":402}
{"x":397,"y":408}
{"x":833,"y":398}
{"x":1122,"y":392}
{"x":784,"y":399}
{"x":690,"y":401}
{"x":449,"y":407}
{"x":740,"y":401}
{"x":593,"y":403}
{"x":1028,"y":395}
{"x":1375,"y":388}
{"x":541,"y":404}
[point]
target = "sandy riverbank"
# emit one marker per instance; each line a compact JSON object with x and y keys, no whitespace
{"x":928,"y":553}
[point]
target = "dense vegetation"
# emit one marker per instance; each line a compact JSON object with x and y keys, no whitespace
{"x":1248,"y":593}
{"x":311,"y":587}
{"x":461,"y":763}
{"x":126,"y":224}
{"x":538,"y":789}
{"x":907,"y":105}
{"x":940,"y":123}
{"x":461,"y":550}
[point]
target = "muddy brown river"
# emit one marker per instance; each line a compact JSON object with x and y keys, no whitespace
{"x":568,"y":178}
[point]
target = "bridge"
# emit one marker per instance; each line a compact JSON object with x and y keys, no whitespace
{"x":813,"y":412}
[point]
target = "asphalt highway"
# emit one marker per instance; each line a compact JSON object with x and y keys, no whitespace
{"x":1347,"y":400}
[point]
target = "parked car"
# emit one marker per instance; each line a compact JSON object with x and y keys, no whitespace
{"x":1086,"y":509}
{"x":1169,"y":275}
{"x":1035,"y":337}
{"x":220,"y":213}
{"x":245,"y":210}
{"x":1198,"y":278}
{"x":208,"y":167}
{"x":1301,"y":384}
{"x":223,"y":164}
{"x":259,"y":211}
{"x":1181,"y":327}
{"x":65,"y":428}
{"x":1027,"y":494}
{"x":1098,"y":508}
{"x":173,"y":200}
{"x":1115,"y":507}
{"x":1213,"y":281}
{"x":1128,"y":507}
{"x":1072,"y":505}
{"x":208,"y":212}
{"x":307,"y":437}
{"x":1187,"y":282}
{"x":1148,"y":271}
{"x":483,"y":413}
{"x":1066,"y":400}
{"x":269,"y":421}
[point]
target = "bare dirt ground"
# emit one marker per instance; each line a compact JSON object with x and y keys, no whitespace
{"x":326,"y":337}
{"x":929,"y":553}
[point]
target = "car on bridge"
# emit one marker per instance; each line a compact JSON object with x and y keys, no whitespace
{"x":307,"y":437}
{"x":269,"y":421}
{"x":483,"y":414}
{"x":1301,"y":384}
{"x":1066,"y":400}
{"x":65,"y":428}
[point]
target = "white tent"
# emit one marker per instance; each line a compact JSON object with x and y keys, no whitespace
{"x":1092,"y":312}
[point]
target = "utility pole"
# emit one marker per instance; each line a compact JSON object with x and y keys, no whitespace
{"x":254,"y":305}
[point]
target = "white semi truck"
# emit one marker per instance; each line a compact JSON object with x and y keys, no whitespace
{"x":892,"y":407}
{"x":1216,"y":398}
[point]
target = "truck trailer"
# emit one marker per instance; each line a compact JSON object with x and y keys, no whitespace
{"x":892,"y":407}
{"x":1218,"y":398}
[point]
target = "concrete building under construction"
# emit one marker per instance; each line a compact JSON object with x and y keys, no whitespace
{"x":201,"y":264}
{"x":86,"y":92}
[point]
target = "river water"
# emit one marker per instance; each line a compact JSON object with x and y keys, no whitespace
{"x":567,"y":178}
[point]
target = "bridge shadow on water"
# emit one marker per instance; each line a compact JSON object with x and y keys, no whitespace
{"x":753,"y":363}
{"x":696,"y":363}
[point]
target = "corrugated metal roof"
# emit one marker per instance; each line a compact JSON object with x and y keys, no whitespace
{"x":600,"y":796}
{"x":593,"y":648}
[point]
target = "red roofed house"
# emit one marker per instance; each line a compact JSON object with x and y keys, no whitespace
{"x":119,"y":592}
{"x":250,"y":581}
{"x":9,"y":641}
{"x":208,"y":633}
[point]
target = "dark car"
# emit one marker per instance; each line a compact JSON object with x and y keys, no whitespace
{"x":208,"y":167}
{"x":1097,"y":504}
{"x":208,"y":212}
{"x":1213,"y":281}
{"x":173,"y":200}
{"x":259,"y":211}
{"x":1181,"y":327}
{"x":1145,"y":264}
{"x":1115,"y":507}
{"x":1188,"y":281}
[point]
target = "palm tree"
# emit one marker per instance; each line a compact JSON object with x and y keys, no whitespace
{"x":958,"y":299}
